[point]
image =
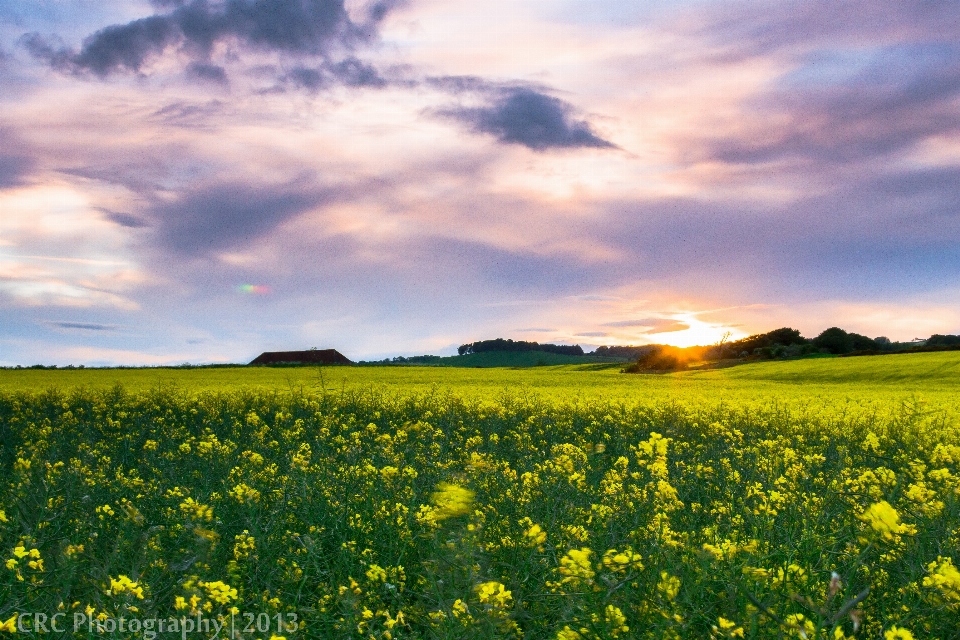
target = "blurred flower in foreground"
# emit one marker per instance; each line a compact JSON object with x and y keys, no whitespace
{"x":451,"y":500}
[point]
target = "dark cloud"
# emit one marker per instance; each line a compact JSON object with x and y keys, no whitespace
{"x":532,"y":119}
{"x":307,"y":78}
{"x":295,"y":27}
{"x":83,"y":326}
{"x":842,"y":108}
{"x":208,"y":72}
{"x":218,"y":217}
{"x":13,"y":169}
{"x":15,"y":165}
{"x":125,"y":219}
{"x":187,"y":113}
{"x":465,"y":84}
{"x":354,"y":73}
{"x":350,"y":72}
{"x":735,"y":31}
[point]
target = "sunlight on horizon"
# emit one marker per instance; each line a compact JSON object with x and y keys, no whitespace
{"x":699,"y":334}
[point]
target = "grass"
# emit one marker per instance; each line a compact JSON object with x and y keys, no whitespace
{"x":815,"y":498}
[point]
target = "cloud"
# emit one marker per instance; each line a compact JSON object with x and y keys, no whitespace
{"x":124,"y":219}
{"x":217,"y":217}
{"x":311,"y":28}
{"x":755,"y":28}
{"x":210,"y":72}
{"x":592,"y":334}
{"x":880,"y":235}
{"x":652,"y":325}
{"x":185,"y":114}
{"x":351,"y":72}
{"x":14,"y":166}
{"x":527,"y":117}
{"x":82,"y":326}
{"x":841,"y":106}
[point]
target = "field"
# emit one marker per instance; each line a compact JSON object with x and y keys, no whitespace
{"x":808,"y":499}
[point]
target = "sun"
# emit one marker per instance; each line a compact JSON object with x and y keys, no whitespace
{"x":698,"y":333}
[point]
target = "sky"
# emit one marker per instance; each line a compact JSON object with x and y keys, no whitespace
{"x":203,"y":180}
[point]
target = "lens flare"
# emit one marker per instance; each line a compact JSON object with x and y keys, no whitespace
{"x":254,"y":289}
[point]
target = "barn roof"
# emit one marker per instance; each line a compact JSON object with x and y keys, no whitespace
{"x":312,"y":356}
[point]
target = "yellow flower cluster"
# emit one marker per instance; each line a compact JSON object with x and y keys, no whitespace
{"x":425,"y":514}
{"x":576,"y":567}
{"x":244,"y":494}
{"x":945,"y":578}
{"x":884,"y":521}
{"x":196,"y":511}
{"x":123,"y":585}
{"x":494,"y":593}
{"x":449,"y":501}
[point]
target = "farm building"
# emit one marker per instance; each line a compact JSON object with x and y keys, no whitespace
{"x":313,"y":356}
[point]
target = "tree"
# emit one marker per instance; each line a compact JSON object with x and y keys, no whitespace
{"x":834,"y":340}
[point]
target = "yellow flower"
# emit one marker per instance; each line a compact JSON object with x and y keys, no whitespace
{"x":244,"y":494}
{"x":669,"y":585}
{"x":219,"y":592}
{"x":206,"y":534}
{"x":389,"y":473}
{"x":727,"y":628}
{"x":122,"y":584}
{"x":535,"y":535}
{"x":245,"y":545}
{"x":196,"y":511}
{"x":897,"y":633}
{"x":389,"y":622}
{"x":494,"y":593}
{"x":798,"y":624}
{"x":616,"y":620}
{"x":460,"y":608}
{"x":885,"y":520}
{"x":10,"y":625}
{"x":568,"y":634}
{"x":621,"y":561}
{"x":376,"y":573}
{"x":945,"y":578}
{"x":576,"y":566}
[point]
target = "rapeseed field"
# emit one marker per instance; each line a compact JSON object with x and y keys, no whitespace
{"x":388,"y":512}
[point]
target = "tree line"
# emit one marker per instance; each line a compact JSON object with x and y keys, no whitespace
{"x":780,"y":343}
{"x":787,"y":342}
{"x":499,"y":344}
